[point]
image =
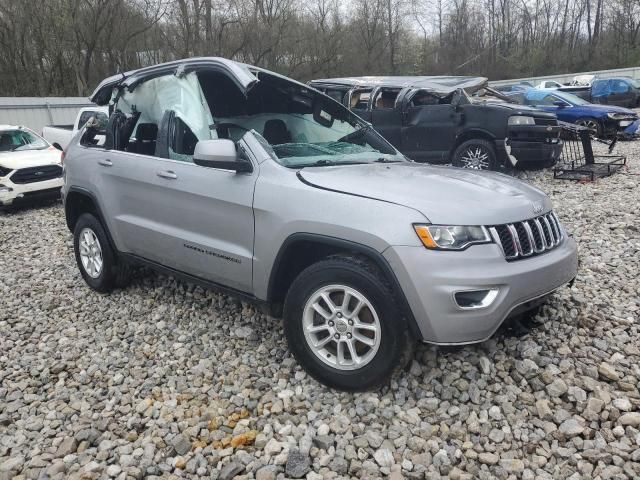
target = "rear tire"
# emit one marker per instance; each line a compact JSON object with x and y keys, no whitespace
{"x":475,"y":154}
{"x":95,"y":257}
{"x":354,"y":345}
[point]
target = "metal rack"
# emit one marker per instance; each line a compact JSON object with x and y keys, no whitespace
{"x":578,"y":162}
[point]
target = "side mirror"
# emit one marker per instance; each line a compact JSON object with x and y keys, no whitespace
{"x":559,"y":104}
{"x":220,"y":153}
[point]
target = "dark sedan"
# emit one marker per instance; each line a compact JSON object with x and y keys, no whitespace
{"x":602,"y":120}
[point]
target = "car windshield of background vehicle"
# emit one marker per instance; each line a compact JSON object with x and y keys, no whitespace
{"x":20,"y":140}
{"x":571,"y":98}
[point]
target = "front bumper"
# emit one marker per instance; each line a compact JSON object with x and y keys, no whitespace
{"x":531,"y":144}
{"x":13,"y":193}
{"x":429,"y":280}
{"x":613,"y":127}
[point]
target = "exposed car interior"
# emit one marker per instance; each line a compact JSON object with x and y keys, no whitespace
{"x":166,"y":117}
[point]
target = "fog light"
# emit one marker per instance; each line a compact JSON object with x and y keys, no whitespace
{"x":475,"y":299}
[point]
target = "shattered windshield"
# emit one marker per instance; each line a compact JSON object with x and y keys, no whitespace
{"x":300,"y":126}
{"x":20,"y":140}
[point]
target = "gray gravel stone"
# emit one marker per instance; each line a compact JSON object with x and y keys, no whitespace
{"x":90,"y":383}
{"x":230,"y":470}
{"x":297,"y":464}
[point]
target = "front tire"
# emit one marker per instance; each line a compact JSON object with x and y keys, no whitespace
{"x":343,"y":325}
{"x":475,"y":154}
{"x":95,"y":257}
{"x":594,"y":126}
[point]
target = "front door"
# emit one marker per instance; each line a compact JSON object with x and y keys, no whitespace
{"x":194,"y":219}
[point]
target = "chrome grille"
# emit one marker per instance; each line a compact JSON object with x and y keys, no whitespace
{"x":529,"y":237}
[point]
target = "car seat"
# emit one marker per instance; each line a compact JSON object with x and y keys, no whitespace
{"x":146,"y":135}
{"x":275,"y":132}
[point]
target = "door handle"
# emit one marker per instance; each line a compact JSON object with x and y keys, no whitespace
{"x":105,"y":162}
{"x":168,"y":174}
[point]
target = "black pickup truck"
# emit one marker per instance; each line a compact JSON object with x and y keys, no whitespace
{"x":437,"y":120}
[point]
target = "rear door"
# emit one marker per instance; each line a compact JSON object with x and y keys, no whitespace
{"x":386,"y":115}
{"x":429,"y":127}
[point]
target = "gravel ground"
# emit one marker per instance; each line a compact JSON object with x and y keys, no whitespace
{"x":164,"y":379}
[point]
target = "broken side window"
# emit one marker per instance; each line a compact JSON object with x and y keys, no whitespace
{"x":386,"y":98}
{"x":95,"y":125}
{"x":360,"y":99}
{"x":422,"y":98}
{"x":169,"y":112}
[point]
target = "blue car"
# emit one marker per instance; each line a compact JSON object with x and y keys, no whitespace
{"x":602,"y":120}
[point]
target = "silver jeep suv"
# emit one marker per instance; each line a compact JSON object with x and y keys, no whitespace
{"x":241,"y":179}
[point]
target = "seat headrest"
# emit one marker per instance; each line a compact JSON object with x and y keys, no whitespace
{"x":147,"y":131}
{"x":275,"y":132}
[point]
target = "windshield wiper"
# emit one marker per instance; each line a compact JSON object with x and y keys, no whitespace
{"x":324,"y":163}
{"x":386,"y":160}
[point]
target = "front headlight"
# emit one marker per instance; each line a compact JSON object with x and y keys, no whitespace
{"x":620,"y":116}
{"x":521,"y":120}
{"x":448,"y":237}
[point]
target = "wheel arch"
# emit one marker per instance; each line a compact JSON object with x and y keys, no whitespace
{"x":471,"y":135}
{"x":301,"y":250}
{"x":78,"y":201}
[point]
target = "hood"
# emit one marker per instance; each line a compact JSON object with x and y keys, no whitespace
{"x":30,"y":158}
{"x":608,"y":109}
{"x":445,"y":195}
{"x":518,"y":109}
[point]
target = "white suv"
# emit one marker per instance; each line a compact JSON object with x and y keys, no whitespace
{"x":30,"y":167}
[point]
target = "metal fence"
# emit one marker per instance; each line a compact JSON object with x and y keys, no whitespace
{"x":633,"y":72}
{"x":37,"y":112}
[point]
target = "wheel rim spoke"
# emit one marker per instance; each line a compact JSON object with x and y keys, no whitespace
{"x":329,"y":302}
{"x":352,"y":352}
{"x":365,"y":326}
{"x":317,"y":328}
{"x":362,"y":339}
{"x":321,"y":311}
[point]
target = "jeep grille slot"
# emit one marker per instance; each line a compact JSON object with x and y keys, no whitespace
{"x":36,"y":174}
{"x":528,"y":238}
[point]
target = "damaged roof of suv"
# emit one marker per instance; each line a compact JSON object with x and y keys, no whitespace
{"x":440,"y":85}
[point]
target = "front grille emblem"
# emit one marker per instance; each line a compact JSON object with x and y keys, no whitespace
{"x":537,"y":207}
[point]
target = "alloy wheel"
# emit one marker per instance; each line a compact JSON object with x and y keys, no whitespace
{"x":90,"y":253}
{"x":341,"y":327}
{"x":475,"y":158}
{"x":592,"y":125}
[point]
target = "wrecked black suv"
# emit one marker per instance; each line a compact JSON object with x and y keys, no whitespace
{"x":437,"y":120}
